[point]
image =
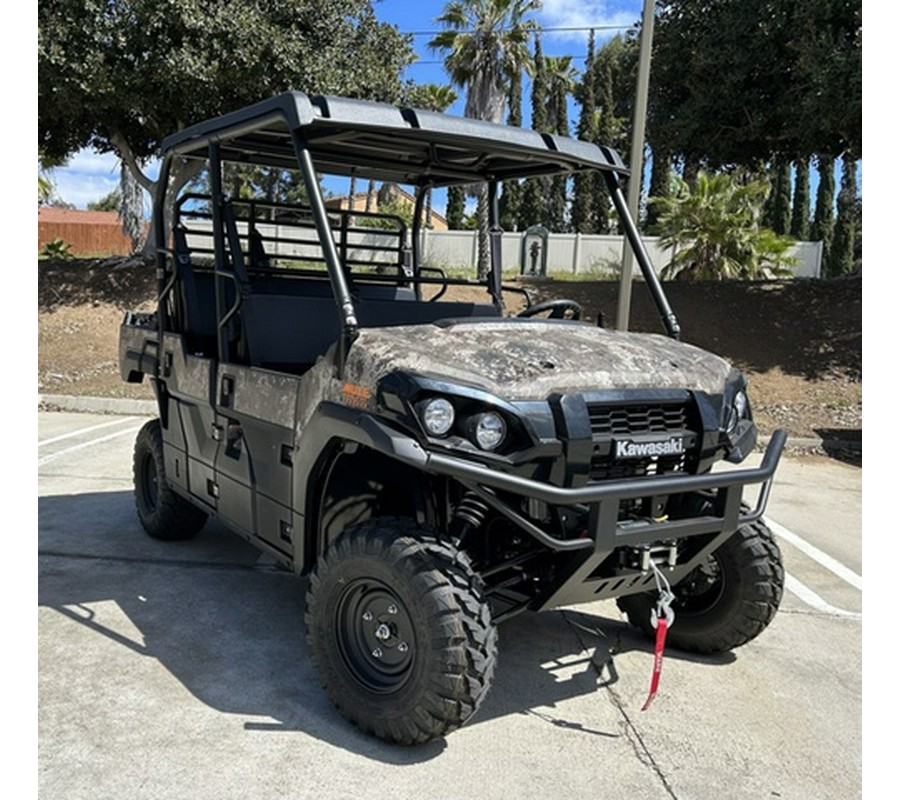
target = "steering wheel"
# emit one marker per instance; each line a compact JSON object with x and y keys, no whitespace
{"x":557,"y":309}
{"x":441,"y":274}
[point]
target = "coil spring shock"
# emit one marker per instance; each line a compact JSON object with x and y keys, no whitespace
{"x":468,"y":516}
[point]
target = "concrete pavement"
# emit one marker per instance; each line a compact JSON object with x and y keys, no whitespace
{"x":181,"y":669}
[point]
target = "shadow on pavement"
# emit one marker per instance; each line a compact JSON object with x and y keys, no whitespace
{"x":228,"y":625}
{"x":842,"y":444}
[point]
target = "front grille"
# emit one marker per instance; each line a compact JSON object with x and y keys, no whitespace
{"x":636,"y":419}
{"x":616,"y":421}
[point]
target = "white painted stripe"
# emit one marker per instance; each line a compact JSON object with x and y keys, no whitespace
{"x":82,"y":431}
{"x":809,"y":597}
{"x":831,"y":564}
{"x":74,"y":448}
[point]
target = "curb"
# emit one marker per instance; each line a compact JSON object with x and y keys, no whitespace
{"x":96,"y":405}
{"x":124,"y":405}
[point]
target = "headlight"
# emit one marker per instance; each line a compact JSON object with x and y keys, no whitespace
{"x":490,"y":430}
{"x":438,"y":416}
{"x":740,"y":432}
{"x":739,"y":410}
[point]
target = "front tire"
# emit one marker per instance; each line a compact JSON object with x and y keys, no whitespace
{"x":163,"y":513}
{"x":399,"y":631}
{"x":726,"y":601}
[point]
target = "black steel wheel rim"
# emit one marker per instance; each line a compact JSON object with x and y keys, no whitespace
{"x":375,"y":635}
{"x":701,"y":590}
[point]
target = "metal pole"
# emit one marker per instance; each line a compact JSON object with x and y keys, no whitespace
{"x":637,"y":159}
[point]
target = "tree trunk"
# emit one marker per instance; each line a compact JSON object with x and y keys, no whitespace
{"x":131,"y":208}
{"x":352,"y":197}
{"x":484,"y":229}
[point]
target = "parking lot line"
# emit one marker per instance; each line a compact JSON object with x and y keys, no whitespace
{"x":91,"y":443}
{"x":823,"y":559}
{"x":812,"y":599}
{"x":82,"y":431}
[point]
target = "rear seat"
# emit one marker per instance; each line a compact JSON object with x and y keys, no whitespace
{"x":284,"y":323}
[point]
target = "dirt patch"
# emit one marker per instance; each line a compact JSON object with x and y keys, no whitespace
{"x":800,"y":342}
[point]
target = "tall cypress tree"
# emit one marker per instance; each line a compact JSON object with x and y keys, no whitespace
{"x":822,"y":229}
{"x":534,"y":193}
{"x":800,"y":213}
{"x":560,"y":79}
{"x":609,"y":127}
{"x":511,"y":197}
{"x":660,"y":181}
{"x":778,"y":207}
{"x":840,"y":256}
{"x":456,"y":207}
{"x":583,"y":218}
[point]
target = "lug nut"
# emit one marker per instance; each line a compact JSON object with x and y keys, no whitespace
{"x":367,"y":616}
{"x":377,"y":652}
{"x":392,"y":609}
{"x":383,"y":632}
{"x":403,"y":647}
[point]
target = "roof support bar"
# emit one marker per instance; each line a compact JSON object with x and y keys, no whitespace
{"x":349,"y":323}
{"x":496,"y":234}
{"x":670,"y":321}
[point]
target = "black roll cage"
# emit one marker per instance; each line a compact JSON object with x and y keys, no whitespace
{"x":375,"y":140}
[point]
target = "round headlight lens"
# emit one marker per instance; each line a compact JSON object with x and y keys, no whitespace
{"x":438,"y":416}
{"x":490,"y":431}
{"x":739,"y":410}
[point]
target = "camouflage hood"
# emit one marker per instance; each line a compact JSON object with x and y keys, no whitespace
{"x":529,"y":360}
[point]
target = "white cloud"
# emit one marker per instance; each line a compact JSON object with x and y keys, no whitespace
{"x":86,"y":177}
{"x":94,"y":163}
{"x":89,"y":176}
{"x":587,"y":14}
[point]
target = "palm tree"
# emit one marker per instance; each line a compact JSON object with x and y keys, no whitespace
{"x":561,"y":77}
{"x":715,"y":223}
{"x":431,"y":97}
{"x":485,"y":41}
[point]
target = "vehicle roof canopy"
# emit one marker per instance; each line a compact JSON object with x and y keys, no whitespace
{"x":388,"y":143}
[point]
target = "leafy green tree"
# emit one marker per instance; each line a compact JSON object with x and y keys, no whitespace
{"x":485,"y":42}
{"x":739,"y":83}
{"x":714,"y":225}
{"x":584,"y":183}
{"x":614,"y":86}
{"x":778,"y":205}
{"x":511,"y":196}
{"x":456,"y":207}
{"x":660,"y":182}
{"x":109,"y":202}
{"x":840,"y":260}
{"x":534,"y":191}
{"x":431,"y":97}
{"x":822,"y":229}
{"x":560,"y":82}
{"x":119,"y":75}
{"x":46,"y":187}
{"x":800,"y":210}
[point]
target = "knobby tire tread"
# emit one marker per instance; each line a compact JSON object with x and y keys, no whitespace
{"x":754,"y":549}
{"x":457,"y":616}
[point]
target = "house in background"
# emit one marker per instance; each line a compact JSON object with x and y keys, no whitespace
{"x":438,"y":221}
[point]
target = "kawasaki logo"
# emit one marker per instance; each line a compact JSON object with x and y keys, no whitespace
{"x":628,"y":448}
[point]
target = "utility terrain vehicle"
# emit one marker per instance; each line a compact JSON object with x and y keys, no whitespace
{"x":433,"y":465}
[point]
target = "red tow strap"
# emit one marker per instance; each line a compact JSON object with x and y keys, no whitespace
{"x":661,"y":618}
{"x":662,"y":628}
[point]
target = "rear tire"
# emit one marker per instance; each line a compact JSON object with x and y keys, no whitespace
{"x":399,"y":631}
{"x":163,"y":513}
{"x":725,"y":602}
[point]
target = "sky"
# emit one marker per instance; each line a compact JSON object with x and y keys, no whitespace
{"x":90,"y":176}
